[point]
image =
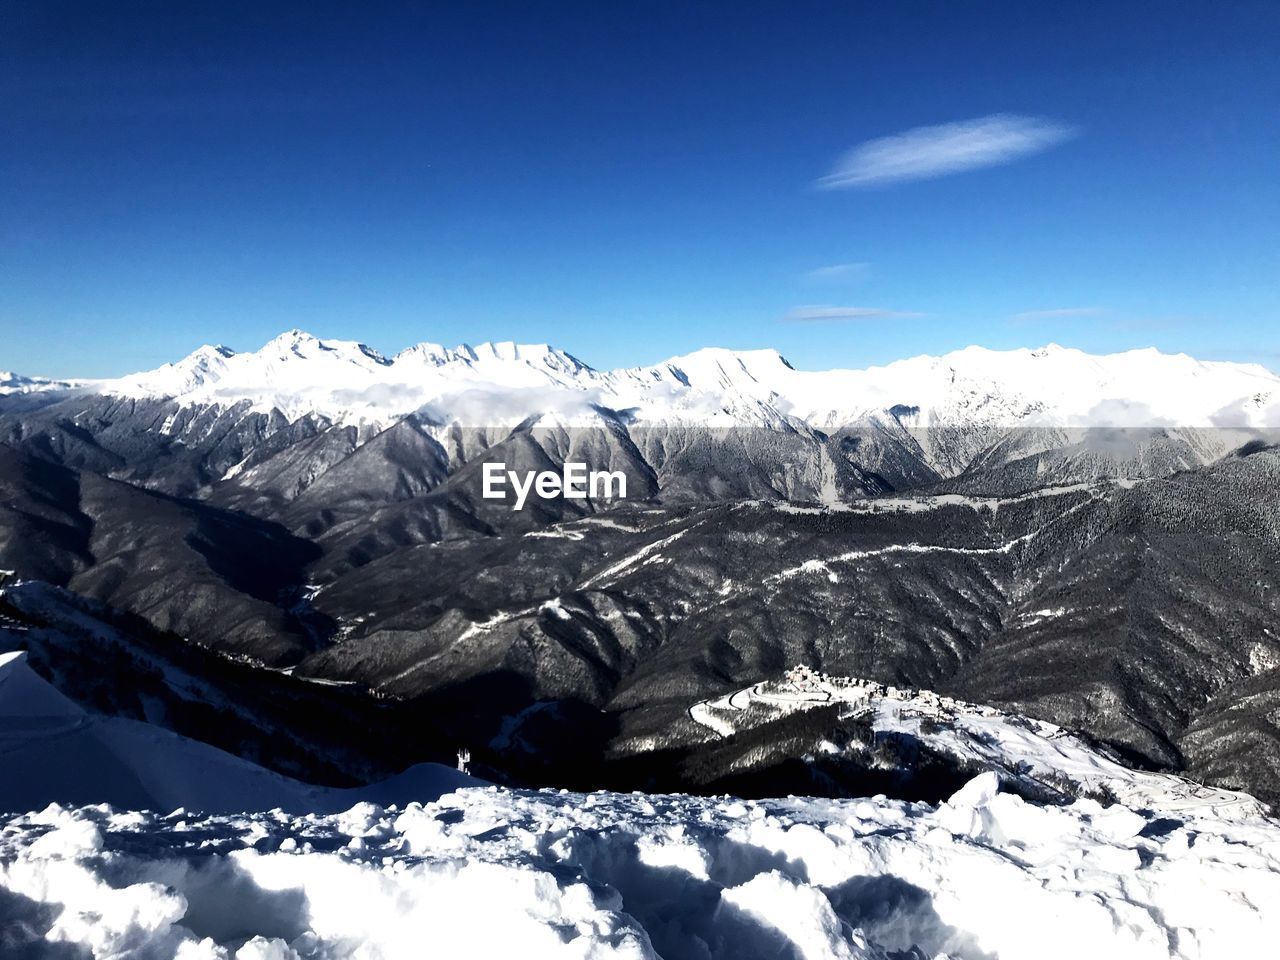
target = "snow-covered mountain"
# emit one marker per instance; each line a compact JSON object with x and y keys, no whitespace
{"x":711,"y":424}
{"x":11,"y":383}
{"x":317,"y":506}
{"x":346,"y":381}
{"x":495,"y":383}
{"x":1037,"y":758}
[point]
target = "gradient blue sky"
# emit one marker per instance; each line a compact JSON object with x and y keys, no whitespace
{"x":632,"y":181}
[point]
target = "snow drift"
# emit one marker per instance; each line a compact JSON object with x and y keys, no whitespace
{"x":488,"y":872}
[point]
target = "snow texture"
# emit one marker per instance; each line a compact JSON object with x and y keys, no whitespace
{"x":407,"y":868}
{"x":490,"y":872}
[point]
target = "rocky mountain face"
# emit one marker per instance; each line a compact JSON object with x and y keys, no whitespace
{"x":1089,"y":540}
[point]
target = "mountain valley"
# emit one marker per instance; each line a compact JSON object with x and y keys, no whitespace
{"x":1093,"y":541}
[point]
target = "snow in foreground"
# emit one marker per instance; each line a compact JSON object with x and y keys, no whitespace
{"x":488,"y":872}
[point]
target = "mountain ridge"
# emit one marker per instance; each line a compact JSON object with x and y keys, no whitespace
{"x":502,"y":383}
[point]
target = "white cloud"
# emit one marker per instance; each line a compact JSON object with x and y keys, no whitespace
{"x":839,"y":272}
{"x":1060,"y":313}
{"x":925,"y":152}
{"x":830,"y":314}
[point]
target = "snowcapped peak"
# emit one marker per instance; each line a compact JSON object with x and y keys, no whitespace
{"x":208,"y":355}
{"x":203,"y":365}
{"x":750,"y":369}
{"x":425,"y":352}
{"x":299,"y":343}
{"x":298,"y":373}
{"x":508,"y":351}
{"x":765,"y":356}
{"x":1052,"y":385}
{"x":289,"y":339}
{"x":1048,"y":350}
{"x":501,"y":350}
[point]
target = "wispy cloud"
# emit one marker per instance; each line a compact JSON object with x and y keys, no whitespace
{"x":1059,"y":313}
{"x":823,"y":313}
{"x":839,"y":272}
{"x":926,"y":152}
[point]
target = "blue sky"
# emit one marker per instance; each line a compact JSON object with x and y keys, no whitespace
{"x":850,"y":183}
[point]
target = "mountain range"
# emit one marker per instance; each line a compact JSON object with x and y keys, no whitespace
{"x":1092,"y":540}
{"x":347,"y":382}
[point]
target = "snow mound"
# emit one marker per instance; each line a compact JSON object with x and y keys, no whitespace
{"x":495,"y":873}
{"x":67,"y":755}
